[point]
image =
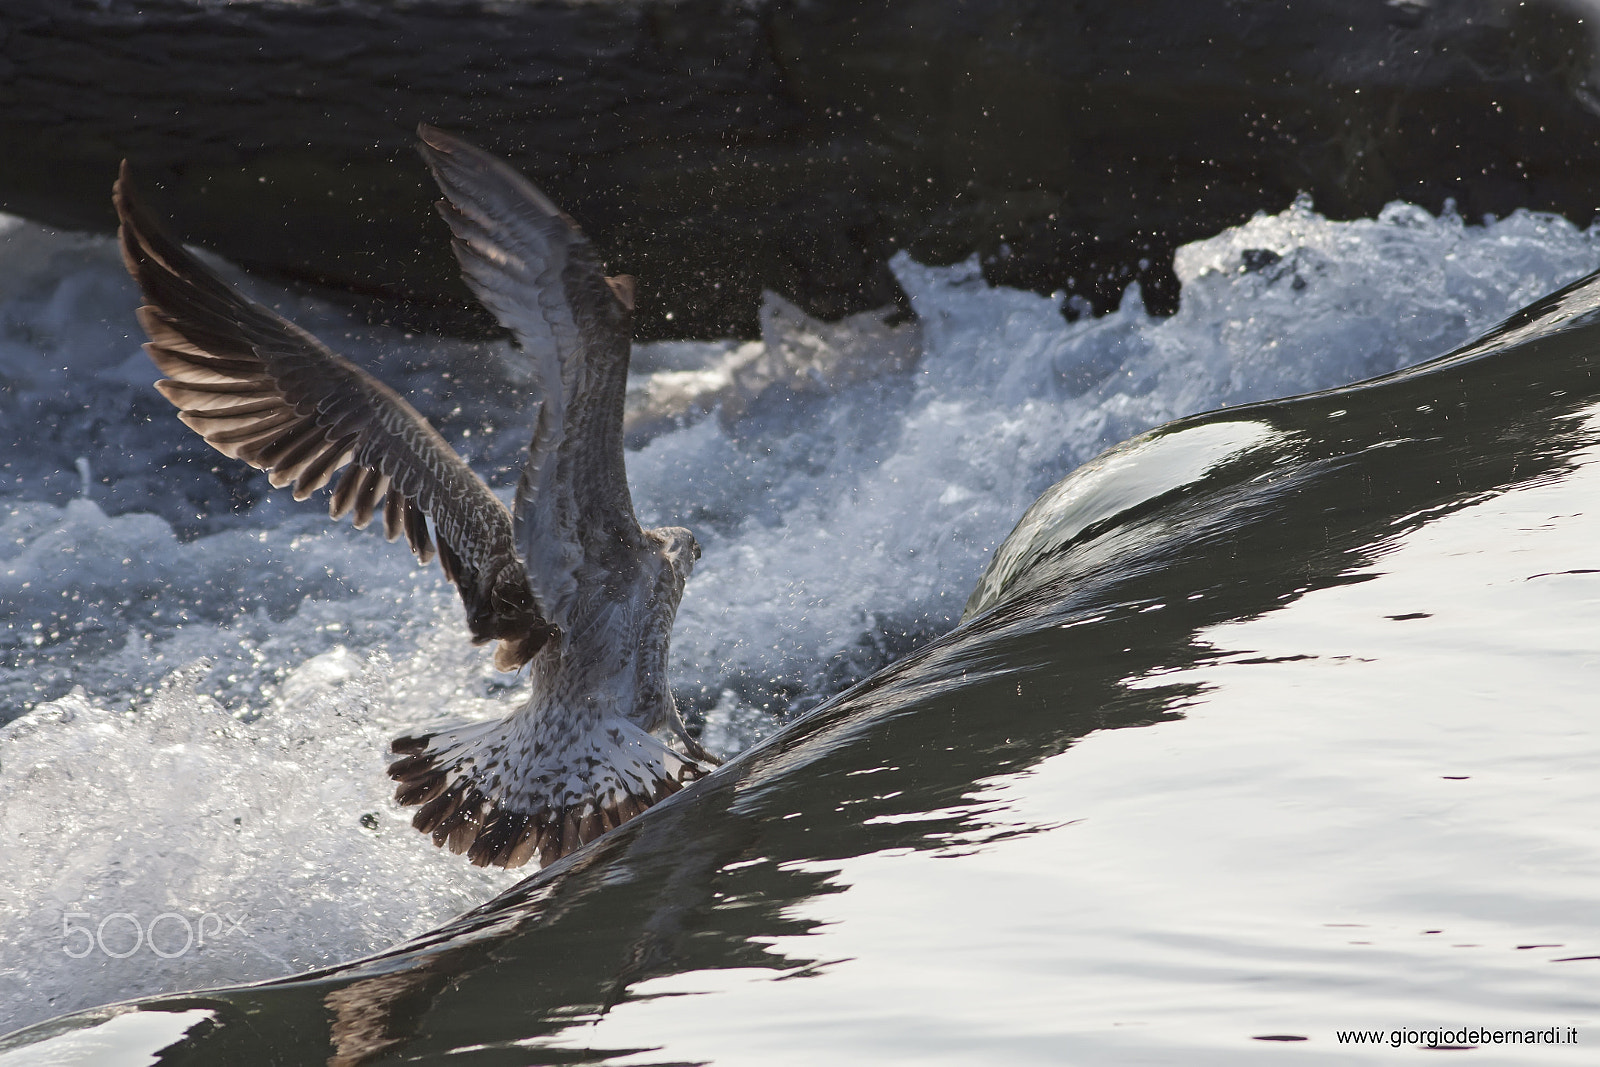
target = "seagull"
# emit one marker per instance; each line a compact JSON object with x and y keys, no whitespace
{"x":566,"y":581}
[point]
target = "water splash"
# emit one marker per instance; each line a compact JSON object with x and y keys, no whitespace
{"x":197,"y":651}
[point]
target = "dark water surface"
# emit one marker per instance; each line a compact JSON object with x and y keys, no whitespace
{"x":1277,"y":722}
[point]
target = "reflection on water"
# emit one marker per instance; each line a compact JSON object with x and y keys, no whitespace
{"x":1376,"y":813}
{"x":1361,"y":632}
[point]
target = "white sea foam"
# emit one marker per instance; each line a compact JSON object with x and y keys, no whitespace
{"x":212,"y":684}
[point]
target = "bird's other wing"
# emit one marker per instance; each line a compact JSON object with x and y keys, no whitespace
{"x":261,"y":389}
{"x":533,"y":268}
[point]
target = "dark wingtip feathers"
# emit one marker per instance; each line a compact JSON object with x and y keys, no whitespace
{"x":448,"y":157}
{"x":121,"y":197}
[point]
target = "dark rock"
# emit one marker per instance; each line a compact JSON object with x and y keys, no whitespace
{"x":719,"y":147}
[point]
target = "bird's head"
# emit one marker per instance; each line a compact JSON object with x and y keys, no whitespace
{"x":681,"y":550}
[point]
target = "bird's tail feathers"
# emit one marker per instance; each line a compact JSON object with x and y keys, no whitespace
{"x":482,"y":792}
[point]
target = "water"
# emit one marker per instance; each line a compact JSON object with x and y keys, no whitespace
{"x":1293,"y":742}
{"x":253,"y":662}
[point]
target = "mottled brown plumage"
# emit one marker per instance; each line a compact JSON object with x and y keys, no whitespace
{"x":567,"y":581}
{"x":260,"y":389}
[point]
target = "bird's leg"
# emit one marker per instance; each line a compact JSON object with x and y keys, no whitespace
{"x":697,"y":751}
{"x":691,"y":747}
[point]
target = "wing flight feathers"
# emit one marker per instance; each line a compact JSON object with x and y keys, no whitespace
{"x":531,"y":266}
{"x":258,"y":388}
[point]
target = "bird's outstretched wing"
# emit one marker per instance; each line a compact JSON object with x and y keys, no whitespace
{"x":531,"y":266}
{"x":260,"y":389}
